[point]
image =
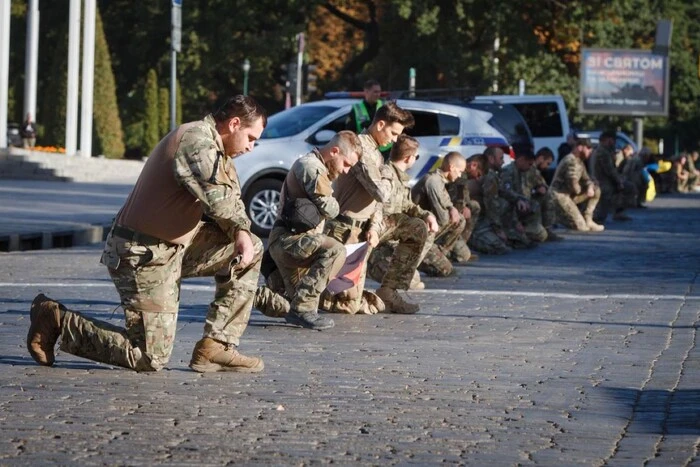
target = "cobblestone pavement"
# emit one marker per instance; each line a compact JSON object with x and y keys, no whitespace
{"x":581,"y":352}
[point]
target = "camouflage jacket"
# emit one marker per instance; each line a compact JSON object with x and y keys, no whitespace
{"x":492,"y":208}
{"x":524,"y":184}
{"x":311,"y":174}
{"x":512,"y":184}
{"x":430,"y":193}
{"x":400,"y":197}
{"x":604,"y":169}
{"x":571,"y":176}
{"x":366,"y":171}
{"x":201,"y":166}
{"x":459,"y":192}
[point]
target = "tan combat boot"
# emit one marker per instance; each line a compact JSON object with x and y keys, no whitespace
{"x":394,"y":303}
{"x":45,"y":329}
{"x":211,"y":355}
{"x":592,"y":226}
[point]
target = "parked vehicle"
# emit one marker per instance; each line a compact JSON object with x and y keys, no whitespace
{"x":504,"y":117}
{"x":289,"y":134}
{"x":546,"y":116}
{"x":509,"y":121}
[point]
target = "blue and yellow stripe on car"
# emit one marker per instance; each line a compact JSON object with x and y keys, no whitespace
{"x":434,"y":161}
{"x":473,"y":141}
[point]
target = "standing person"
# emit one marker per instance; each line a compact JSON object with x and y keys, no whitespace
{"x":307,"y":260}
{"x":430,"y":193}
{"x":612,"y":185}
{"x":362,"y":113}
{"x":28,"y":133}
{"x":157,"y":238}
{"x":360,"y":194}
{"x":572,"y":186}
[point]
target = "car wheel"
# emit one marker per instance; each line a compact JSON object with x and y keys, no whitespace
{"x":261,"y":201}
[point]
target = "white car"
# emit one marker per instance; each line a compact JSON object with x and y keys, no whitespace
{"x":546,"y":116}
{"x":290,"y":134}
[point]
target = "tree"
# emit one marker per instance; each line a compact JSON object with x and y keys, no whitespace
{"x":109,"y":137}
{"x":163,"y":112}
{"x":150,"y":123}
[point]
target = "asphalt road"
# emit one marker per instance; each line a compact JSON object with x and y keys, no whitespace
{"x":581,"y":352}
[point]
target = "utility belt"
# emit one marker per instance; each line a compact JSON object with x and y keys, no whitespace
{"x":133,"y":236}
{"x":352,"y":223}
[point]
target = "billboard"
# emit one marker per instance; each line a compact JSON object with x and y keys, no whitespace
{"x":623,"y":82}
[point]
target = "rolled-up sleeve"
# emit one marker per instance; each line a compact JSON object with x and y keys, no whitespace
{"x":211,"y":178}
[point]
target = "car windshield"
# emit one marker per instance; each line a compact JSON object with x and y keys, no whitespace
{"x":295,"y":120}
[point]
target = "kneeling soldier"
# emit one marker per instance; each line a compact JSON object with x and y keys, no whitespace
{"x":158,"y":238}
{"x":404,"y":219}
{"x":307,"y":260}
{"x":360,"y":194}
{"x":431,"y":194}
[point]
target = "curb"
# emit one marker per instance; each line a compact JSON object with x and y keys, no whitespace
{"x":80,"y":236}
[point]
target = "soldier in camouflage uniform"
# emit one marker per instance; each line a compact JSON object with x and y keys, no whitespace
{"x":498,"y":226}
{"x":461,"y":199}
{"x":430,"y":193}
{"x":484,"y":238}
{"x":361,"y":193}
{"x":613,"y":188}
{"x":571,"y":187}
{"x":400,"y":213}
{"x":307,"y":260}
{"x":158,"y":238}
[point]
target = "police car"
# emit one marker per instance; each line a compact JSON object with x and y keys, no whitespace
{"x":290,"y":134}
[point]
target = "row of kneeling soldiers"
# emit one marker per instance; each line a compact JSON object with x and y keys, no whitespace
{"x":185,"y":218}
{"x":466,"y":204}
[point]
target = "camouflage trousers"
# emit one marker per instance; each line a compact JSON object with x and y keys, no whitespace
{"x":408,"y":235}
{"x":548,"y":213}
{"x":448,"y":244}
{"x":147,"y":276}
{"x":612,"y":200}
{"x":568,"y":212}
{"x":484,"y":239}
{"x":532,"y":222}
{"x":470,"y":224}
{"x":306,"y":263}
{"x":433,"y":260}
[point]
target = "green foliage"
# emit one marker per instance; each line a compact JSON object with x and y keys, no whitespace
{"x":51,"y":108}
{"x":450,"y":43}
{"x":163,"y":112}
{"x":150,"y":123}
{"x":109,"y":137}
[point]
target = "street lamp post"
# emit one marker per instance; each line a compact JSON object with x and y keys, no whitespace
{"x":246,"y":69}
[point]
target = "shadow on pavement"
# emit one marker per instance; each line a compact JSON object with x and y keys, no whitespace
{"x":660,"y":411}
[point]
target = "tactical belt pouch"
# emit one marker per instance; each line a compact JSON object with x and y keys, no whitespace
{"x":300,"y":215}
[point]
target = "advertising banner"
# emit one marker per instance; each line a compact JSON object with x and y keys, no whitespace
{"x":623,"y":82}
